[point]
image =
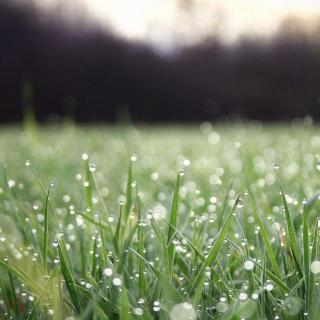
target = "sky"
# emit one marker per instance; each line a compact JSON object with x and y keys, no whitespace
{"x":169,"y":23}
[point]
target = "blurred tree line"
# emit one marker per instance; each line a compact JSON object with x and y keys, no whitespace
{"x":91,"y":75}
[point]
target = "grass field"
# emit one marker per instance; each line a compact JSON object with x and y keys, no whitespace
{"x":216,"y":222}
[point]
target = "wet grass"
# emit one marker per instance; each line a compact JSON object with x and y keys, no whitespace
{"x":216,"y":222}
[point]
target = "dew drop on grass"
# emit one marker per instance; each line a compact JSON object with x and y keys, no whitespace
{"x":255,"y":296}
{"x":107,"y":272}
{"x":276,"y":166}
{"x":240,"y":203}
{"x":138,"y":311}
{"x":117,"y":282}
{"x":269,"y":287}
{"x":221,"y":307}
{"x":243,"y":296}
{"x":292,"y":305}
{"x":156,"y":306}
{"x":318,"y":165}
{"x":248,"y":265}
{"x":28,"y":163}
{"x":181,"y":173}
{"x":133,"y":157}
{"x":315,"y":267}
{"x":86,"y":184}
{"x":11,"y":183}
{"x":154,"y":176}
{"x":183,"y":311}
{"x":85,"y":156}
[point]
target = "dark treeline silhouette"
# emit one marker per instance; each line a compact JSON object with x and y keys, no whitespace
{"x":94,"y":76}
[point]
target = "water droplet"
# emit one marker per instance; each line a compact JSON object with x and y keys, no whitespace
{"x":28,"y":163}
{"x":292,"y":306}
{"x":66,"y":198}
{"x":117,"y":282}
{"x":243,"y":296}
{"x":156,"y":306}
{"x":133,"y":157}
{"x":255,"y":296}
{"x":221,"y":307}
{"x":92,"y":167}
{"x":248,"y":265}
{"x":186,"y":162}
{"x":107,"y":272}
{"x":318,"y":165}
{"x":11,"y":183}
{"x":269,"y":287}
{"x":138,"y":311}
{"x":315,"y":267}
{"x":276,"y":166}
{"x":86,"y":184}
{"x":183,"y":311}
{"x":181,"y":173}
{"x":85,"y":156}
{"x":240,"y":203}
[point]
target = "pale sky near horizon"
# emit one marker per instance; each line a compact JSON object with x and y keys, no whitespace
{"x":166,"y":23}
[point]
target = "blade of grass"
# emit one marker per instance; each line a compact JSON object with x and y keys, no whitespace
{"x":46,"y":231}
{"x":67,"y":272}
{"x":313,"y":258}
{"x":196,"y":285}
{"x":264,"y":234}
{"x":128,"y":192}
{"x":142,"y":280}
{"x":169,"y":290}
{"x":292,"y":235}
{"x":173,"y":224}
{"x":124,"y":306}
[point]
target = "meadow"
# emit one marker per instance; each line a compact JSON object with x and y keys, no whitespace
{"x":217,"y":221}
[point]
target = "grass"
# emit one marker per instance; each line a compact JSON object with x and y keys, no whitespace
{"x":161,"y":223}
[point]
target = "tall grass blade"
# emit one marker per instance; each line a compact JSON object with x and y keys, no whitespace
{"x":67,"y":271}
{"x":292,"y":235}
{"x":196,"y":285}
{"x":172,"y":225}
{"x":46,"y":231}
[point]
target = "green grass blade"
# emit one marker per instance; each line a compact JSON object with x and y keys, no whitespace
{"x":172,"y":225}
{"x":197,"y":283}
{"x":264,"y":235}
{"x":313,"y":258}
{"x":141,"y":237}
{"x":306,"y":256}
{"x":46,"y":231}
{"x":168,"y":289}
{"x":128,"y":192}
{"x":124,"y":304}
{"x":292,"y":235}
{"x":67,"y":271}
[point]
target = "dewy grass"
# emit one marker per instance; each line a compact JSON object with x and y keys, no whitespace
{"x":161,"y":233}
